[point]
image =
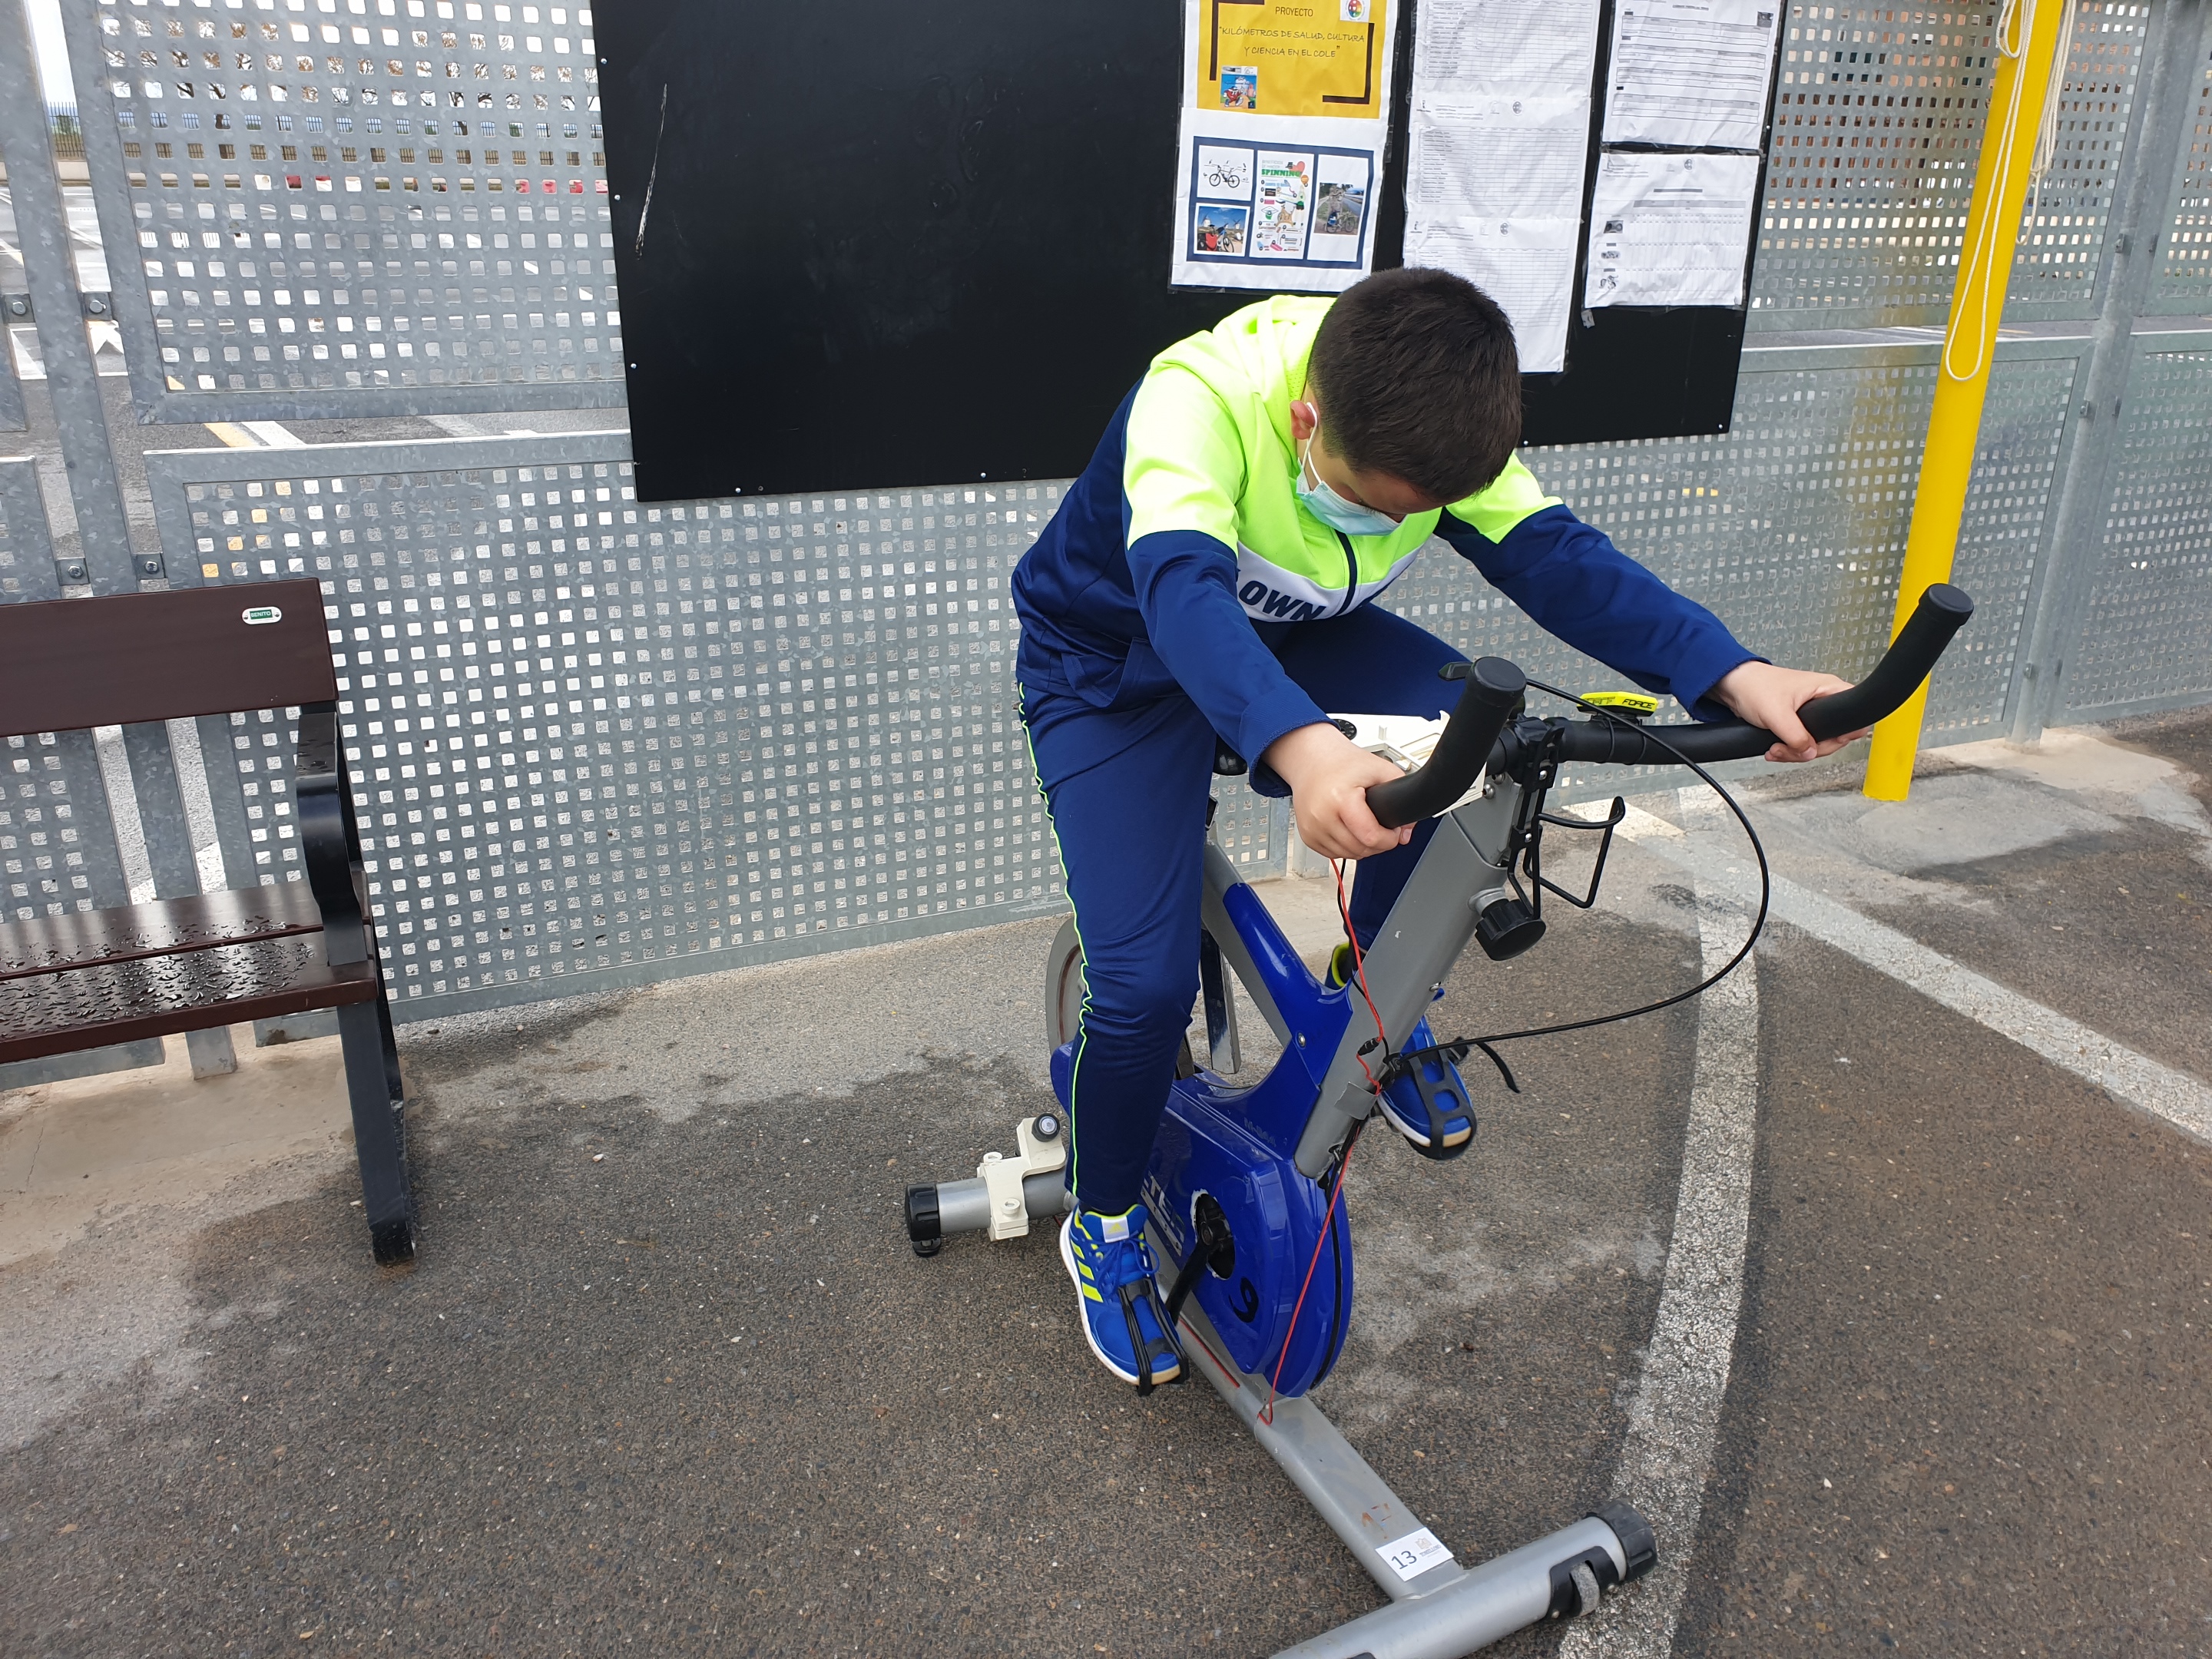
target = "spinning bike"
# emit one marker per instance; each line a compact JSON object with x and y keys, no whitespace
{"x":1244,"y":1186}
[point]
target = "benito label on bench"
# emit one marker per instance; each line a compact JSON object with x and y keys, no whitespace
{"x":254,"y":615}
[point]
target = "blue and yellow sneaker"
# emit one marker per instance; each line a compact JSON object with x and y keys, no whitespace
{"x":1447,"y":1130}
{"x":1118,"y":1294}
{"x":1340,"y":966}
{"x":1437,"y":1121}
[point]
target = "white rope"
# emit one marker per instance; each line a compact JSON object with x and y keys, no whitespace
{"x":2015,"y":29}
{"x":2046,"y":136}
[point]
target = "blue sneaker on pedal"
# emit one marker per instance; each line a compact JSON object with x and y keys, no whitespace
{"x":1430,"y":1108}
{"x":1449,"y":1129}
{"x":1119,"y":1296}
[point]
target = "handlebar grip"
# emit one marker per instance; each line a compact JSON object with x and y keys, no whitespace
{"x":1942,"y":611}
{"x":1492,"y":694}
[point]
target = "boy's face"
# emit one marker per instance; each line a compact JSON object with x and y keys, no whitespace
{"x":1385,"y":493}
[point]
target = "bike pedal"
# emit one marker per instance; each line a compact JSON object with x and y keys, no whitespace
{"x":1442,"y":1099}
{"x":1148,"y":1352}
{"x":1437,"y":1098}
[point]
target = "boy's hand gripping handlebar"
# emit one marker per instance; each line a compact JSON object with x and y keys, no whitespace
{"x":1494,"y":688}
{"x":1493,"y":693}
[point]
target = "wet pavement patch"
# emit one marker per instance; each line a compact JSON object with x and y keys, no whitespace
{"x":683,"y":1382}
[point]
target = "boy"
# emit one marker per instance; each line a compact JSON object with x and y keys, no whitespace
{"x":1211,"y":574}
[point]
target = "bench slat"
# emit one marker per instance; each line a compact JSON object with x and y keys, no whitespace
{"x":81,"y":939}
{"x":55,"y":1013}
{"x":67,"y":663}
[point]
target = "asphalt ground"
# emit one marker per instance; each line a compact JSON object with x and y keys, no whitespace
{"x":665,"y":1372}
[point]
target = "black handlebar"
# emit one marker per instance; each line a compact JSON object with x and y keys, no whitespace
{"x":1494,"y":688}
{"x":1493,"y":693}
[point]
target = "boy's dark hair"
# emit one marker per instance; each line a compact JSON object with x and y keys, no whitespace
{"x":1417,"y":376}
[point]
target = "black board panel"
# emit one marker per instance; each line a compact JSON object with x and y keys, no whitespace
{"x":1631,"y":371}
{"x":1637,"y":372}
{"x":892,"y":245}
{"x":888,"y":244}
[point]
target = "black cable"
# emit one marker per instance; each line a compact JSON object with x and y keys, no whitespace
{"x":1758,"y":922}
{"x":1333,"y":1352}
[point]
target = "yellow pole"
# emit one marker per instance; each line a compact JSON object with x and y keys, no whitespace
{"x":2027,"y":38}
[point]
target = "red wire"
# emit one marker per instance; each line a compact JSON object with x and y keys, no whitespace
{"x":1359,"y":975}
{"x":1336,"y":1192}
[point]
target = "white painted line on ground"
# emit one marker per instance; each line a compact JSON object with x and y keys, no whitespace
{"x":255,"y":434}
{"x":460,"y":426}
{"x":485,"y":426}
{"x":2159,"y":1090}
{"x":1676,"y":1421}
{"x":1673,"y":1425}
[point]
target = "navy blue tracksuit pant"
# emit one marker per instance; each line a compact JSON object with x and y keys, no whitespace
{"x":1127,"y":789}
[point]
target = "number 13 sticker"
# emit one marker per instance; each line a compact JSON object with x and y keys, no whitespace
{"x":1414,"y":1554}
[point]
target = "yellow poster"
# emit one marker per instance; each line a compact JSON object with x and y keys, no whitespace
{"x":1279,"y":146}
{"x":1297,"y":57}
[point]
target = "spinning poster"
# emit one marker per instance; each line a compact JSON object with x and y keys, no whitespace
{"x":1279,"y":149}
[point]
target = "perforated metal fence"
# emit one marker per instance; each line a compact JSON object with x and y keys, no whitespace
{"x":317,"y":209}
{"x":599,"y":742}
{"x":2184,"y":279}
{"x":1792,"y":525}
{"x":1877,"y":126}
{"x":596,"y":743}
{"x":2146,"y":638}
{"x":57,"y":842}
{"x":370,"y":206}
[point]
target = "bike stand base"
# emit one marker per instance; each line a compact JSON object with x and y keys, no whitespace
{"x":1442,"y":1610}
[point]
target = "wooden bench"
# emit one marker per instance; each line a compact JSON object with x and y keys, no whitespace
{"x":83,"y":979}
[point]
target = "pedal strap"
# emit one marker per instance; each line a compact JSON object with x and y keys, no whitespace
{"x":1160,"y":1347}
{"x":1433,"y":1094}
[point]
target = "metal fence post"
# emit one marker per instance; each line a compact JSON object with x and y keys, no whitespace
{"x":73,"y":383}
{"x":90,"y":871}
{"x":12,"y":416}
{"x":167,"y":830}
{"x":2158,"y":132}
{"x":2024,"y":84}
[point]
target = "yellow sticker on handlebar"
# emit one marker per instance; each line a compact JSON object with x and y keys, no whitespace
{"x":1634,"y":704}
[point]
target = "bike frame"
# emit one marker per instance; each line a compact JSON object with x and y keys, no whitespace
{"x":1266,"y":1151}
{"x":1243,"y":1190}
{"x":1266,"y":1330}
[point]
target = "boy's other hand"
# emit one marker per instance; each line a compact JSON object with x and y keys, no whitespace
{"x":1769,"y":696}
{"x":1329,"y":775}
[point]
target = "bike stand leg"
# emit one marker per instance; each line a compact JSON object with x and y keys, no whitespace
{"x":1444,"y":1610}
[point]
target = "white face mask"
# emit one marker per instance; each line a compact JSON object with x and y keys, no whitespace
{"x":1331,"y":508}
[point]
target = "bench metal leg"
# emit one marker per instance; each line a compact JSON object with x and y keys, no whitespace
{"x":210,"y":1052}
{"x":379,"y":1132}
{"x":391,"y":1054}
